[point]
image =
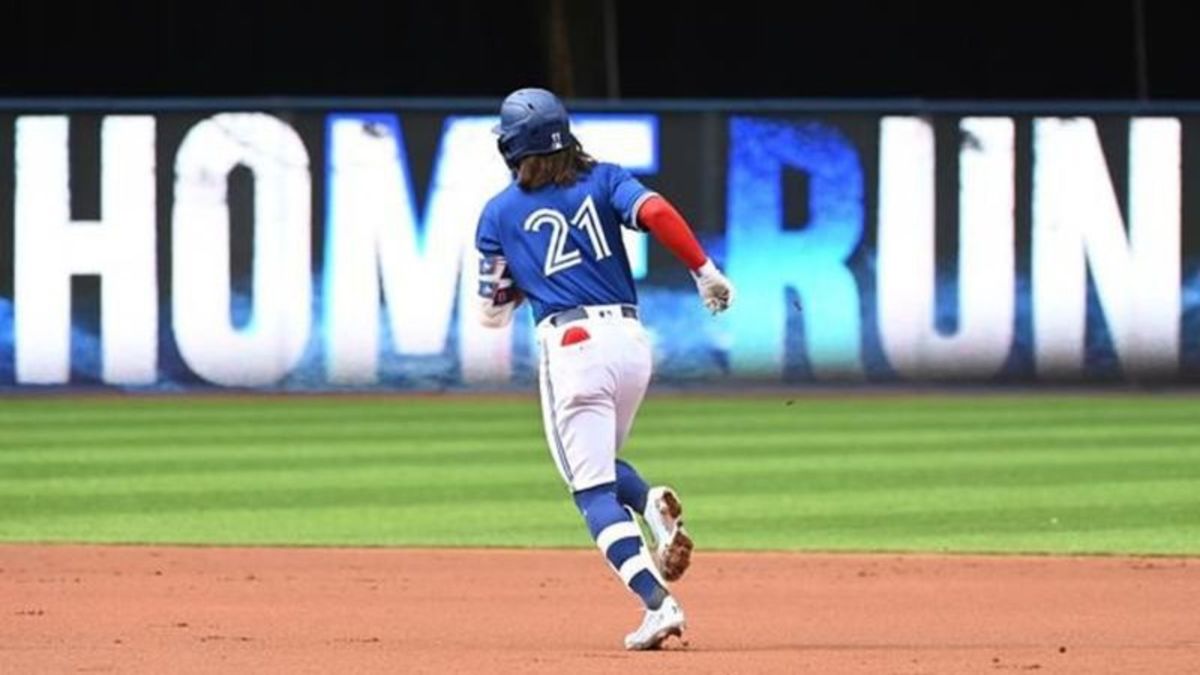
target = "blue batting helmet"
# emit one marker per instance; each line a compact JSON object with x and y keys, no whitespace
{"x":532,"y":122}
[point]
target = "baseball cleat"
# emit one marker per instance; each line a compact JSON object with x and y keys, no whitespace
{"x":657,"y":625}
{"x":673,"y":546}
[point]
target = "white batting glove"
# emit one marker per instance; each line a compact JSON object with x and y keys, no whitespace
{"x":715,"y":289}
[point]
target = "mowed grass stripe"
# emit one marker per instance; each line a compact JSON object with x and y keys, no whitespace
{"x":1157,"y":527}
{"x":117,"y":465}
{"x":758,"y":473}
{"x":17,"y":501}
{"x":382,"y":487}
{"x":337,"y":484}
{"x":402,"y":436}
{"x":167,"y":410}
{"x":688,"y":446}
{"x":1104,"y":498}
{"x":34,"y":432}
{"x":233,"y":406}
{"x":1089,"y":518}
{"x":109,"y":412}
{"x":253,"y":412}
{"x":679,"y":453}
{"x":333,"y":405}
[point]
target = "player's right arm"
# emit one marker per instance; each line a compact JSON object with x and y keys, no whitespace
{"x":651,"y":212}
{"x":661,"y":219}
{"x":497,"y":296}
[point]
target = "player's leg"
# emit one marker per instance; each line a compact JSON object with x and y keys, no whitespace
{"x":550,"y":425}
{"x":580,"y":416}
{"x":632,"y":489}
{"x":620,"y":540}
{"x":632,"y":383}
{"x":659,"y":506}
{"x":635,"y":366}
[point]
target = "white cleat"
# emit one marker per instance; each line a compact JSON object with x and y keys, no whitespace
{"x":673,"y":547}
{"x":657,"y":625}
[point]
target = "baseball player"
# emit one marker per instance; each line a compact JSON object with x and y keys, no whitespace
{"x":553,"y":237}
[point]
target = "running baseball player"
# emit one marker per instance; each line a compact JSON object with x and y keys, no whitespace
{"x":553,"y":238}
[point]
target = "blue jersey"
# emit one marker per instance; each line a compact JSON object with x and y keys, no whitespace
{"x":563,"y":244}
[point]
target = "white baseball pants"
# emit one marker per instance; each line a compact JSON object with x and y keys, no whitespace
{"x":591,"y":390}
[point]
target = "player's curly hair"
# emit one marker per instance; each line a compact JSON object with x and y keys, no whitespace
{"x":560,"y":168}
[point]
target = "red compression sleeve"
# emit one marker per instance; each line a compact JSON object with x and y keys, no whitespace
{"x":671,"y":230}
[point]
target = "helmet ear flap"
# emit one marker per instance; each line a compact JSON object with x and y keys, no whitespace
{"x":502,"y":147}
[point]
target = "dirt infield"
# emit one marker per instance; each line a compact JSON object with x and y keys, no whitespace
{"x":155,"y":610}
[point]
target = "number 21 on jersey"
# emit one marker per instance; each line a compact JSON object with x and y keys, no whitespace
{"x":558,"y":258}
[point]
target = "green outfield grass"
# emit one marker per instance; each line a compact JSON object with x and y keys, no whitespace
{"x":966,"y":473}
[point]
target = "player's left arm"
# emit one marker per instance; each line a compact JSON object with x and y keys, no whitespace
{"x":498,"y":296}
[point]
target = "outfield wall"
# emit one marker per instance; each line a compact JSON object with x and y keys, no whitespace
{"x":310,"y":245}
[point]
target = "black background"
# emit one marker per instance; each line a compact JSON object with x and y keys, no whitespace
{"x":745,"y":49}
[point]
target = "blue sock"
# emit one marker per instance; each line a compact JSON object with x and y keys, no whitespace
{"x":631,"y":489}
{"x":621,"y":541}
